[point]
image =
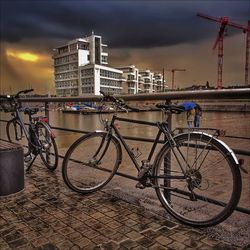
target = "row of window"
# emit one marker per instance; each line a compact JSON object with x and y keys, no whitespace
{"x":87,"y":81}
{"x":108,"y":90}
{"x":71,"y":66}
{"x":66,"y":59}
{"x":88,"y":90}
{"x":110,"y":74}
{"x":87,"y":72}
{"x":67,"y":75}
{"x":66,"y":84}
{"x":108,"y":82}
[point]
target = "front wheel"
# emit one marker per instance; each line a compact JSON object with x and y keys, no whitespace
{"x":16,"y":134}
{"x":207,"y":188}
{"x":48,"y":151}
{"x":91,"y":162}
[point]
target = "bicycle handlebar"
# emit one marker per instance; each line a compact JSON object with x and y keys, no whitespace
{"x":119,"y":103}
{"x":17,"y":95}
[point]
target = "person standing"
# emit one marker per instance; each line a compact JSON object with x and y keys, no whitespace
{"x":190,"y":117}
{"x":197,"y":116}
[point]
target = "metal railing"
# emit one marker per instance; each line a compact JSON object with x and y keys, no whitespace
{"x":168,"y":97}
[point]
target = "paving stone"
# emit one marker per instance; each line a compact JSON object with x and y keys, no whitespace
{"x":157,"y":247}
{"x":118,"y":237}
{"x":47,"y":246}
{"x":145,"y":242}
{"x":128,"y":244}
{"x":179,"y":237}
{"x":111,"y":245}
{"x":39,"y":242}
{"x":64,"y":245}
{"x":82,"y":242}
{"x":100,"y":239}
{"x":176,"y":245}
{"x":163,"y":240}
{"x":134,"y":235}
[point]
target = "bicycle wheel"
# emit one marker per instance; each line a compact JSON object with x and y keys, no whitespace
{"x":16,"y":134}
{"x":49,"y":151}
{"x":210,"y":188}
{"x":91,"y":162}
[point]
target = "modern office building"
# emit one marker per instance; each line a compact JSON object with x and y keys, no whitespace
{"x":80,"y":68}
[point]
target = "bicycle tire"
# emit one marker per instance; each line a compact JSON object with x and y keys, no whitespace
{"x":49,"y":151}
{"x":11,"y":131}
{"x":91,"y":162}
{"x":216,"y":196}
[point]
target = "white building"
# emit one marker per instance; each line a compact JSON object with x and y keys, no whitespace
{"x":158,"y":82}
{"x":80,"y":68}
{"x":147,"y":81}
{"x":130,"y":79}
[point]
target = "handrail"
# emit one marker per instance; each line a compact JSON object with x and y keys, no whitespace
{"x":243,"y":93}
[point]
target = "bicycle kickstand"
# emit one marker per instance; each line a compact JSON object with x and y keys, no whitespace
{"x":31,"y":163}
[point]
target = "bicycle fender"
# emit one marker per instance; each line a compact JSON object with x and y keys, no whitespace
{"x":232,"y":154}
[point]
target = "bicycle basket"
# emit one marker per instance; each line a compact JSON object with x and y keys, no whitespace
{"x":9,"y":105}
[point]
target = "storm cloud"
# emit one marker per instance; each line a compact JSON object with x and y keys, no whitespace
{"x":125,"y":24}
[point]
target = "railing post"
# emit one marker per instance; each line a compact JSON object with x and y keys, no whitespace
{"x":46,"y":106}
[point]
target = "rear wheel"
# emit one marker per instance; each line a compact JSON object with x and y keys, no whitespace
{"x":91,"y":162}
{"x":16,"y":134}
{"x":210,"y":188}
{"x":49,"y":151}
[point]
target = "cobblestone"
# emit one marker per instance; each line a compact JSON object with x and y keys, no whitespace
{"x":47,"y":215}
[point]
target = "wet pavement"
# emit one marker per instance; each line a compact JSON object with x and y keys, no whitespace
{"x":47,"y":215}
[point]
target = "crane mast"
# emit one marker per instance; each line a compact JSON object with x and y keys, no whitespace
{"x":224,"y":21}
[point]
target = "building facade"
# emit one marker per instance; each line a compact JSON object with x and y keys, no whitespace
{"x":130,"y":79}
{"x":80,"y":68}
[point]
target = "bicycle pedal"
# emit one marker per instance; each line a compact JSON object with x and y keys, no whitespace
{"x":139,"y":185}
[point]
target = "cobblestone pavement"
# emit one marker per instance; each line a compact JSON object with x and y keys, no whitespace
{"x":47,"y":215}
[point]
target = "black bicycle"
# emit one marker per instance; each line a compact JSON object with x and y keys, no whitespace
{"x":196,"y":176}
{"x":36,"y":136}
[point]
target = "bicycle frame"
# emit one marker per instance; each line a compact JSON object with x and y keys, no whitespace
{"x":17,"y":116}
{"x":163,"y":130}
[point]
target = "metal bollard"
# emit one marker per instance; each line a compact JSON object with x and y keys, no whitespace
{"x":11,"y":168}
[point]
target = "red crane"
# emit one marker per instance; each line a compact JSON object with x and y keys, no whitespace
{"x":173,"y":71}
{"x":224,"y":21}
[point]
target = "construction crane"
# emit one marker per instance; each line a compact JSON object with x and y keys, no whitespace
{"x":173,"y":71}
{"x":224,"y":21}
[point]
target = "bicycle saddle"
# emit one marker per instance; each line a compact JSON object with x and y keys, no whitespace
{"x":30,"y":111}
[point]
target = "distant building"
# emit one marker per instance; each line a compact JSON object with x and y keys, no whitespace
{"x":147,"y":81}
{"x":130,"y":79}
{"x":158,"y":83}
{"x":80,"y":68}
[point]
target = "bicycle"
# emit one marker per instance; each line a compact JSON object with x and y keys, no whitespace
{"x":188,"y":172}
{"x":38,"y":134}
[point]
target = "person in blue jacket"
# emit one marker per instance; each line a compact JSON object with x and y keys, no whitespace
{"x":194,"y":113}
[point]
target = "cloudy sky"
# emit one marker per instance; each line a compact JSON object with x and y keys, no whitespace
{"x":149,"y":34}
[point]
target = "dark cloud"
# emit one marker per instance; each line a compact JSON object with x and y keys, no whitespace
{"x":131,"y":24}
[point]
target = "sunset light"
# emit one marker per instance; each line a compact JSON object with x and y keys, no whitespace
{"x":25,"y":56}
